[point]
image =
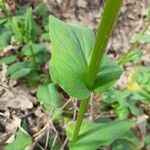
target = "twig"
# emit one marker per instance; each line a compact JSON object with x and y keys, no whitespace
{"x":61,"y":109}
{"x":64,"y":144}
{"x":47,"y":138}
{"x":42,"y":130}
{"x":40,"y":146}
{"x":134,"y":44}
{"x":74,"y":110}
{"x":54,"y":141}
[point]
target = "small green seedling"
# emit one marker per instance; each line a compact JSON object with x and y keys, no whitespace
{"x":134,"y":53}
{"x":79,"y":63}
{"x":22,"y":30}
{"x":123,"y":102}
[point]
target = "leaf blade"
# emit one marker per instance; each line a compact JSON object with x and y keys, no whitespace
{"x":94,"y":135}
{"x":68,"y":57}
{"x":21,"y":142}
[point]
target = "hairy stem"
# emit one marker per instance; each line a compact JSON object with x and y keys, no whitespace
{"x":109,"y":16}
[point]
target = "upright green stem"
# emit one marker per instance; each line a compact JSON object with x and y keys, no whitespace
{"x":109,"y":16}
{"x":82,"y":109}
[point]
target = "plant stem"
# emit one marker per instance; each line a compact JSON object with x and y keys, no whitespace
{"x":82,"y":109}
{"x":109,"y":16}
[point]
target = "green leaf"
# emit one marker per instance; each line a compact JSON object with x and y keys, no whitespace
{"x":7,"y":59}
{"x":42,"y":9}
{"x":16,"y":66}
{"x":33,"y":78}
{"x":5,"y":36}
{"x":71,"y":49}
{"x":94,"y":135}
{"x":3,"y":20}
{"x":148,"y":14}
{"x":20,"y":73}
{"x":41,"y":57}
{"x":17,"y":27}
{"x":30,"y":26}
{"x":134,"y":55}
{"x":20,"y":143}
{"x":141,"y":38}
{"x":26,"y":50}
{"x":123,"y":145}
{"x":107,"y":74}
{"x":18,"y":70}
{"x":54,"y":146}
{"x":143,"y":76}
{"x":3,"y":5}
{"x":147,"y":140}
{"x":122,"y":112}
{"x":21,"y":12}
{"x":49,"y":97}
{"x":129,"y":141}
{"x":145,"y":95}
{"x":125,"y":99}
{"x":45,"y":37}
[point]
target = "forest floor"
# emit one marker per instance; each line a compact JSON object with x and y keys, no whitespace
{"x":18,"y":101}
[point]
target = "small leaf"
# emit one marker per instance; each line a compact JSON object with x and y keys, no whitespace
{"x":147,"y":140}
{"x":18,"y":70}
{"x":7,"y":59}
{"x":141,"y":38}
{"x":134,"y":56}
{"x":20,"y":73}
{"x":145,"y":96}
{"x":129,"y":141}
{"x":30,"y":25}
{"x":2,"y":5}
{"x":17,"y":27}
{"x":3,"y":20}
{"x":5,"y":36}
{"x":148,"y":14}
{"x":42,"y":9}
{"x":143,"y":76}
{"x":122,"y":112}
{"x":123,"y":145}
{"x":20,"y":143}
{"x":26,"y":50}
{"x":16,"y":66}
{"x":42,"y":57}
{"x":125,"y":99}
{"x":33,"y":78}
{"x":48,"y":95}
{"x":45,"y":37}
{"x":94,"y":135}
{"x":107,"y":74}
